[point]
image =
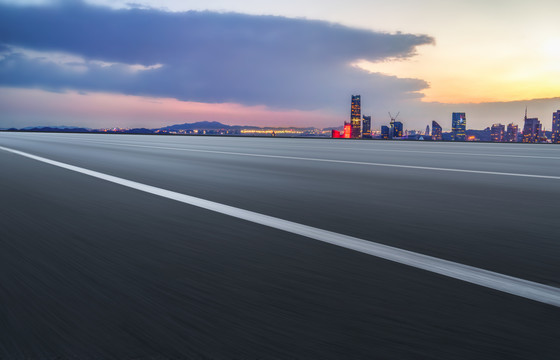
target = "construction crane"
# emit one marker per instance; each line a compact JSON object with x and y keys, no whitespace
{"x":394,"y":118}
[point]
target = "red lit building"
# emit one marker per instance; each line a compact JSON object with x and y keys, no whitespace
{"x":347,"y":130}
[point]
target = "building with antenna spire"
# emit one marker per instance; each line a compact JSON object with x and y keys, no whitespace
{"x":531,"y":129}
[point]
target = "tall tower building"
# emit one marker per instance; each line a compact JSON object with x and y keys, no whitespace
{"x":531,"y":129}
{"x":366,"y":127}
{"x":556,"y":127}
{"x":397,"y":129}
{"x":384,"y":132}
{"x":356,"y":116}
{"x":427,"y":132}
{"x":436,"y":131}
{"x":497,"y":133}
{"x":458,"y":126}
{"x":511,"y":134}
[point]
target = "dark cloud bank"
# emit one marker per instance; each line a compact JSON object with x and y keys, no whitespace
{"x":205,"y":56}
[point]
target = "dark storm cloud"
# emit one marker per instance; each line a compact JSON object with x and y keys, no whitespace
{"x":205,"y":56}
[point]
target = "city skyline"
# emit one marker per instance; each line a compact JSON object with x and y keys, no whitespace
{"x":533,"y":130}
{"x":265,"y":74}
{"x":359,"y":127}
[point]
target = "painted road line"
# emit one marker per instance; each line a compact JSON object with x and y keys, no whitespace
{"x":484,"y":172}
{"x":319,"y":148}
{"x":496,"y":281}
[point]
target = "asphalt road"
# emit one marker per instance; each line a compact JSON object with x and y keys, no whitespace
{"x":92,"y":270}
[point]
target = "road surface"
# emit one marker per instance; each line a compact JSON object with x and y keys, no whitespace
{"x":93,"y":269}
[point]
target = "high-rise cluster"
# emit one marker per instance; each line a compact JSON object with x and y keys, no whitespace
{"x":360,"y":126}
{"x":533,"y":131}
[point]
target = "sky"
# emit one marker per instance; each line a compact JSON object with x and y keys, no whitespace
{"x":115,"y":63}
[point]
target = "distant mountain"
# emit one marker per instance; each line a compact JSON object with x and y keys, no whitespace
{"x":210,"y":126}
{"x":61,"y":127}
{"x":200,"y":125}
{"x":55,"y":129}
{"x":214,"y":125}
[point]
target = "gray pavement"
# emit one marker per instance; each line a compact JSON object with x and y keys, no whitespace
{"x":90,"y":269}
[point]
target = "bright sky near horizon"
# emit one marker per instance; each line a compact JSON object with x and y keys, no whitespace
{"x":490,"y":58}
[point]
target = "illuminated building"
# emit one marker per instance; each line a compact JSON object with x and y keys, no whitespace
{"x":436,"y":131}
{"x":531,"y":129}
{"x":270,"y":131}
{"x":458,"y":126}
{"x":511,"y":134}
{"x":366,"y":127}
{"x":497,"y":133}
{"x":556,"y":127}
{"x":356,"y":116}
{"x":397,"y":129}
{"x":335,"y":134}
{"x":384,"y":132}
{"x":347,"y":130}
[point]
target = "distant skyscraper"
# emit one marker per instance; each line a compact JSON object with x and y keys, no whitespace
{"x":384,"y":132}
{"x":366,"y":127}
{"x":531,"y":129}
{"x":458,"y":126}
{"x":398,"y":129}
{"x":436,"y":131}
{"x":511,"y":135}
{"x":356,"y":116}
{"x":427,"y":132}
{"x":497,"y":133}
{"x":556,"y":127}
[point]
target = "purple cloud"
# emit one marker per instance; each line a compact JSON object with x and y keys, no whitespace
{"x":199,"y":56}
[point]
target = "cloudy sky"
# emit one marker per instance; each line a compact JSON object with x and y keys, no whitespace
{"x":291,"y":63}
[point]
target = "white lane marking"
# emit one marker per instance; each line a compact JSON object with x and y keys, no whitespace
{"x":508,"y":284}
{"x":451,"y":153}
{"x":330,"y":160}
{"x":369,"y":149}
